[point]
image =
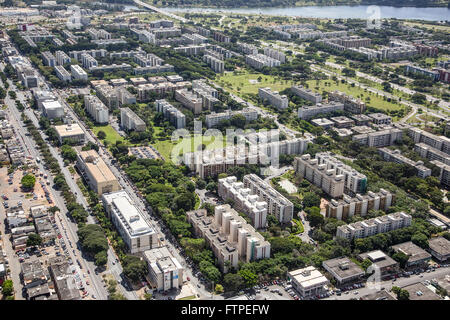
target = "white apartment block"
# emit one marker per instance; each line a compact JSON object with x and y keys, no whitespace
{"x":318,"y":174}
{"x":62,"y":58}
{"x":244,"y":201}
{"x":355,"y":182}
{"x":88,"y":61}
{"x":175,"y":116}
{"x":208,"y":94}
{"x":214,"y":119}
{"x":97,"y":110}
{"x":444,"y":174}
{"x":216,"y":64}
{"x":397,"y":157}
{"x":382,"y":138}
{"x":359,"y":205}
{"x":275,"y":54}
{"x":78,"y":73}
{"x":130,"y":120}
{"x":96,"y":53}
{"x":371,"y":227}
{"x":247,"y":48}
{"x":258,"y":61}
{"x":52,"y":109}
{"x":97,"y":34}
{"x":350,"y":104}
{"x":440,"y":143}
{"x":148,"y":60}
{"x":307,"y":94}
{"x":193,"y":38}
{"x":62,"y":73}
{"x":164,"y":270}
{"x":191,"y":50}
{"x":48,"y":59}
{"x":277,"y":204}
{"x":129,"y":221}
{"x":229,"y":235}
{"x":308,"y":112}
{"x":274,"y":98}
{"x":425,"y":151}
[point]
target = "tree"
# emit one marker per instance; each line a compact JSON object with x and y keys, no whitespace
{"x":34,"y":240}
{"x":200,"y":184}
{"x":101,"y":258}
{"x":68,"y":153}
{"x":314,"y":217}
{"x":8,"y":288}
{"x":401,"y":258}
{"x":211,"y":187}
{"x":250,"y":278}
{"x":101,"y":135}
{"x":420,"y":239}
{"x":233,"y":282}
{"x":28,"y":181}
{"x":218,"y":289}
{"x":402,"y":294}
{"x":311,"y":200}
{"x":134,"y":268}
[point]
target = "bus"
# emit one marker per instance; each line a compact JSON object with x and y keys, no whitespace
{"x":38,"y":159}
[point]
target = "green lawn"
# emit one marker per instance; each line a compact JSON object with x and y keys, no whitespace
{"x":165,"y":147}
{"x":111,"y":135}
{"x":240,"y":80}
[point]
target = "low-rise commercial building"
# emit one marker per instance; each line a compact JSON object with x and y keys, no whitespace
{"x":72,"y":132}
{"x":417,"y":257}
{"x":342,"y":122}
{"x":96,"y":173}
{"x":380,"y":118}
{"x":343,"y":270}
{"x":308,"y":282}
{"x":381,"y":261}
{"x":129,"y":221}
{"x":440,"y":248}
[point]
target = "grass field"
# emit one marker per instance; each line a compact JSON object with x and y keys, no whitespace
{"x":239,"y":83}
{"x":111,"y":135}
{"x":165,"y":147}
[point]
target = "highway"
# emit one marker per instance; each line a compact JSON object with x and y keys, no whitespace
{"x":161,"y":11}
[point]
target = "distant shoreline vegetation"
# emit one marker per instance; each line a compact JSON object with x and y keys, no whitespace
{"x":226,"y":4}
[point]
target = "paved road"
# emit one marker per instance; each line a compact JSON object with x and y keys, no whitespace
{"x":400,"y":282}
{"x":158,"y":10}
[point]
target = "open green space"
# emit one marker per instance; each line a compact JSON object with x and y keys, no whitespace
{"x":111,"y":134}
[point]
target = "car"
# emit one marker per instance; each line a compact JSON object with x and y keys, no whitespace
{"x":199,"y":286}
{"x":355,"y":293}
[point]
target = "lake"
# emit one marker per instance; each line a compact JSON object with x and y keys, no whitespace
{"x":336,"y":12}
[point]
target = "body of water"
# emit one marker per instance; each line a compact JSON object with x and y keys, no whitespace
{"x":336,"y":12}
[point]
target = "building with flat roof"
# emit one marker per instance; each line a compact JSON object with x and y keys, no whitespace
{"x":129,"y":221}
{"x":371,"y":227}
{"x":52,"y":109}
{"x":379,"y":295}
{"x":350,"y":104}
{"x":274,"y":98}
{"x":397,"y":157}
{"x":323,"y":123}
{"x":214,"y":119}
{"x":380,"y":118}
{"x":96,"y":109}
{"x":131,"y":121}
{"x":62,"y":73}
{"x":440,"y":248}
{"x":165,"y":272}
{"x":355,"y":182}
{"x":361,"y":119}
{"x":64,"y":280}
{"x":230,"y":237}
{"x":440,"y":143}
{"x":308,"y":281}
{"x":359,"y":205}
{"x":175,"y":116}
{"x":418,"y":291}
{"x":328,"y":180}
{"x":380,"y":260}
{"x":342,"y":122}
{"x":72,"y":132}
{"x":307,"y":94}
{"x":78,"y":73}
{"x":382,"y":138}
{"x":430,"y":153}
{"x":444,"y":174}
{"x":417,"y":257}
{"x":96,"y":173}
{"x":32,"y":273}
{"x":190,"y":100}
{"x":343,"y":270}
{"x":308,"y":112}
{"x":259,"y":61}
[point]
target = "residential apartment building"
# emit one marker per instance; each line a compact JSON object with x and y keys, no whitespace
{"x":397,"y":157}
{"x":247,"y":48}
{"x":191,"y":50}
{"x":308,"y":282}
{"x":96,"y":109}
{"x":149,"y":90}
{"x":190,"y":100}
{"x":96,"y":173}
{"x":62,"y":58}
{"x":327,"y":179}
{"x":244,"y":201}
{"x":277,"y":204}
{"x":129,"y":221}
{"x":307,"y":94}
{"x":433,"y":74}
{"x":78,"y":73}
{"x":52,"y":109}
{"x":371,"y":227}
{"x":274,"y":98}
{"x":382,"y":138}
{"x":350,"y":104}
{"x":220,"y":37}
{"x":208,"y":94}
{"x":259,"y":60}
{"x":161,"y":24}
{"x":93,"y":53}
{"x":48,"y":58}
{"x":214,"y":119}
{"x":164,"y":270}
{"x":308,"y":112}
{"x":275,"y":54}
{"x":62,"y":73}
{"x":131,"y":121}
{"x":355,"y":182}
{"x":444,"y":174}
{"x":216,"y":64}
{"x":88,"y":61}
{"x":230,"y":237}
{"x":440,"y":143}
{"x":175,"y":116}
{"x":359,"y":205}
{"x":380,"y":118}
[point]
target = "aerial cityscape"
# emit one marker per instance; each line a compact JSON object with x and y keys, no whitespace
{"x":236,"y":151}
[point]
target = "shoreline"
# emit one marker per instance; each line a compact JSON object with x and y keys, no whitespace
{"x":443,"y":5}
